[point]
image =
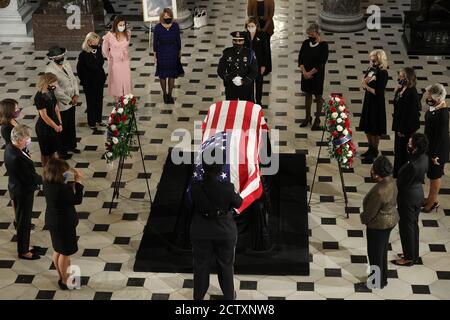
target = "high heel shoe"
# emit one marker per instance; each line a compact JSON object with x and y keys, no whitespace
{"x":305,"y":122}
{"x":62,"y":286}
{"x":435,"y":206}
{"x":316,"y":125}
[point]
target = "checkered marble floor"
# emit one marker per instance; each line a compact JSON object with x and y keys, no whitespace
{"x":108,"y":243}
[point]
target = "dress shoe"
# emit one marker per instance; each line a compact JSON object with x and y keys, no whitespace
{"x":64,"y":156}
{"x":305,"y":122}
{"x":316,"y":125}
{"x":36,"y":250}
{"x":166,"y":98}
{"x":75,"y":150}
{"x":406,"y":263}
{"x":435,"y":207}
{"x":171,"y":100}
{"x":33,"y":256}
{"x":62,"y":286}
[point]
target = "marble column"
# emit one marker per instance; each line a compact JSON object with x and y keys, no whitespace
{"x":184,"y":16}
{"x":341,"y":16}
{"x":15,"y":21}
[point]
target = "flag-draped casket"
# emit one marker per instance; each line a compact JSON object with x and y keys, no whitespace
{"x":236,"y":127}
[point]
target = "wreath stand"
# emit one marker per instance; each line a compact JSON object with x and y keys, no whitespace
{"x":118,"y":180}
{"x":340,"y":174}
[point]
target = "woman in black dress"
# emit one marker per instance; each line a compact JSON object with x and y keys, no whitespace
{"x":60,"y":215}
{"x":264,"y":10}
{"x":436,"y":129}
{"x":410,"y":198}
{"x":9,"y":112}
{"x":406,"y":117}
{"x":92,"y":78}
{"x":312,"y":58}
{"x":373,"y":115}
{"x":48,"y":125}
{"x":256,"y":40}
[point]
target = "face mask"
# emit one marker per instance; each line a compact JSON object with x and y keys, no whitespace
{"x":167,"y":20}
{"x":312,"y":40}
{"x":66,"y":175}
{"x":94,"y":46}
{"x":59,"y":61}
{"x":51,"y":88}
{"x":373,"y":64}
{"x":121,"y":29}
{"x":17,"y":113}
{"x":28,"y":143}
{"x":430,"y":102}
{"x":401,"y":82}
{"x":410,"y":150}
{"x":251,"y":29}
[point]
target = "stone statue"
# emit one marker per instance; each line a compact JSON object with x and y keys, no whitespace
{"x":342,"y":7}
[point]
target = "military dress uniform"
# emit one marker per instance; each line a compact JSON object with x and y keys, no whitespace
{"x":238,"y":61}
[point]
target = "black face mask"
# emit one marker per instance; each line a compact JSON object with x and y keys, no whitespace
{"x":94,"y":46}
{"x":59,"y":61}
{"x":430,"y":102}
{"x":312,"y":39}
{"x":167,"y":20}
{"x":238,"y":45}
{"x":410,"y":150}
{"x":51,"y":88}
{"x":401,"y":82}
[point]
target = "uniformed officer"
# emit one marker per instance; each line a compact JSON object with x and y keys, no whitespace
{"x":213,"y":230}
{"x":238,"y":69}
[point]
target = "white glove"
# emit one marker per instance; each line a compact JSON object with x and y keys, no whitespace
{"x":237,"y":81}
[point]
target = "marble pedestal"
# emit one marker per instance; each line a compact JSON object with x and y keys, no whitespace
{"x":15,"y":21}
{"x":341,"y":16}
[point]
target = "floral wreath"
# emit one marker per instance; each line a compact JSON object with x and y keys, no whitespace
{"x":340,"y":145}
{"x":120,"y":128}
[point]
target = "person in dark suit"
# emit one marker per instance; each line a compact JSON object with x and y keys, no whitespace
{"x":380,"y":216}
{"x":410,"y":198}
{"x":406,"y":116}
{"x":92,"y":78}
{"x":238,"y":69}
{"x":436,"y":130}
{"x":213,"y":231}
{"x":373,"y":114}
{"x":60,"y":215}
{"x":9,"y":112}
{"x":22,"y":182}
{"x":256,"y":40}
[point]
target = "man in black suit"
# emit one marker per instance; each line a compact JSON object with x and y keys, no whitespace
{"x":213,"y":230}
{"x":22,"y":182}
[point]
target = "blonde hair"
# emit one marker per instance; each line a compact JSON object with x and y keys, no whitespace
{"x":91,"y":36}
{"x":381,"y":58}
{"x":163,"y":13}
{"x":45,"y":80}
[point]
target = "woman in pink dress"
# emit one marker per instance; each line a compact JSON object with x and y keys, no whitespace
{"x":115,"y":49}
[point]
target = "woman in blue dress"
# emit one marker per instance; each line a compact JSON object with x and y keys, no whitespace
{"x":167,"y":52}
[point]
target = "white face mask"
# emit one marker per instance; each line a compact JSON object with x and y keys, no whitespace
{"x":251,"y":29}
{"x":121,"y":29}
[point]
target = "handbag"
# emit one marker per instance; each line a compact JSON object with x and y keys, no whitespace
{"x":200,"y":18}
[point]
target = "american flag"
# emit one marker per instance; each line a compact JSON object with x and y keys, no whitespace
{"x":236,"y":126}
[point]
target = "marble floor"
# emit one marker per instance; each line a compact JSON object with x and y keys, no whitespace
{"x":108,"y":242}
